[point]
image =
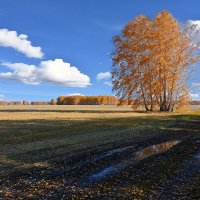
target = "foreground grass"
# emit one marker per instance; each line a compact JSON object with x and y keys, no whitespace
{"x":32,"y":136}
{"x":37,"y":141}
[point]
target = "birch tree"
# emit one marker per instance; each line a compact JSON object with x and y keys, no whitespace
{"x":151,"y":62}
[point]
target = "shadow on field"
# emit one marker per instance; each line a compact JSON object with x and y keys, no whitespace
{"x":31,"y":141}
{"x":69,"y":148}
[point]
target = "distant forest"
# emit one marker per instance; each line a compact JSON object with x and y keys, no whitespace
{"x":87,"y":100}
{"x":78,"y":100}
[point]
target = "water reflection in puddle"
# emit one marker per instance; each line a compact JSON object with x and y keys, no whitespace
{"x":137,"y":156}
{"x":103,"y":173}
{"x":197,"y":156}
{"x":154,"y":149}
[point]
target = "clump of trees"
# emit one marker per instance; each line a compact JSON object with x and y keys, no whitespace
{"x":39,"y":103}
{"x":87,"y":100}
{"x":151,"y":62}
{"x":195,"y":102}
{"x":11,"y":103}
{"x":52,"y":102}
{"x":17,"y":103}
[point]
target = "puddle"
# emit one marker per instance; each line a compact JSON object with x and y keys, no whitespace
{"x":197,"y":155}
{"x":101,"y":174}
{"x":154,"y":149}
{"x":135,"y":158}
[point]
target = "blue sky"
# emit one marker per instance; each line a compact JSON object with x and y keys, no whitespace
{"x":78,"y":32}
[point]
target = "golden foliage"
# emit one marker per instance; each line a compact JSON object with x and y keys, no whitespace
{"x":151,"y":61}
{"x":87,"y":100}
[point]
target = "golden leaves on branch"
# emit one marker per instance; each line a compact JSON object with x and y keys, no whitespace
{"x":152,"y":60}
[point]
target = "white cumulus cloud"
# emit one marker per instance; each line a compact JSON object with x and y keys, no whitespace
{"x":103,"y":75}
{"x":196,"y":85}
{"x":20,"y":43}
{"x":108,"y":83}
{"x":194,"y":95}
{"x":51,"y":71}
{"x":21,"y":72}
{"x":75,"y":94}
{"x":195,"y":33}
{"x":195,"y":22}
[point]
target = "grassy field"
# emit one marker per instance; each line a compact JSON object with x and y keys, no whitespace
{"x":41,"y":136}
{"x":36,"y":133}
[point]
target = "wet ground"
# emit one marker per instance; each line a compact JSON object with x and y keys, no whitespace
{"x":163,"y":167}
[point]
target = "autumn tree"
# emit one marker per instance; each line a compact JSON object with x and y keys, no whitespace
{"x":52,"y":102}
{"x":87,"y":100}
{"x":151,"y":62}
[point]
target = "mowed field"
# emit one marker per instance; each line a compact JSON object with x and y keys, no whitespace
{"x":35,"y":133}
{"x":49,"y":137}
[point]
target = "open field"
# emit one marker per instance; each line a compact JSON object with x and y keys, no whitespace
{"x":47,"y":152}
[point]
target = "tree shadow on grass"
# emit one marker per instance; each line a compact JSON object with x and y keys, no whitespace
{"x":42,"y":140}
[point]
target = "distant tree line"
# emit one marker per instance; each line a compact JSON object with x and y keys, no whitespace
{"x":40,"y":103}
{"x":195,"y":102}
{"x":18,"y":103}
{"x":69,"y":100}
{"x":80,"y":100}
{"x":87,"y":100}
{"x":10,"y":103}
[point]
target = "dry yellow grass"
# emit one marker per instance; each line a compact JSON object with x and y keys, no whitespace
{"x":69,"y":112}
